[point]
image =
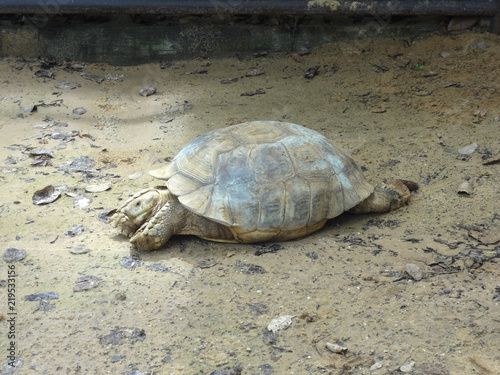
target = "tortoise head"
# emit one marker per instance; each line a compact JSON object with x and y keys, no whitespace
{"x":138,"y":209}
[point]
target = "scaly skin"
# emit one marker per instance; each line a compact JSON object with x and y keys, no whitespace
{"x":150,"y":217}
{"x":387,"y":197}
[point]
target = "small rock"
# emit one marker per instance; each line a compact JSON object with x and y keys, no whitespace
{"x":408,"y":367}
{"x":379,"y":69}
{"x":302,"y":51}
{"x":227,"y":371}
{"x":280,"y":323}
{"x":207,"y":263}
{"x":480,"y":112}
{"x":428,"y":74}
{"x":75,"y":230}
{"x":465,"y":188}
{"x":136,"y":175}
{"x":158,"y":267}
{"x":92,"y":77}
{"x":467,"y":150}
{"x":252,"y":93}
{"x":311,"y":72}
{"x":166,"y":119}
{"x":79,"y":249}
{"x":413,"y":271}
{"x":120,"y":334}
{"x":98,"y":188}
{"x":254,"y":73}
{"x":41,"y":296}
{"x":250,"y":269}
{"x":147,"y":90}
{"x":43,"y":74}
{"x":77,"y":67}
{"x":334,"y":348}
{"x":120,"y":296}
{"x":66,"y":85}
{"x":227,"y":81}
{"x":29,"y":109}
{"x":42,"y":152}
{"x":376,"y":366}
{"x":81,"y":202}
{"x":79,"y":111}
{"x":116,"y":358}
{"x":131,"y":261}
{"x":86,"y":283}
{"x":12,"y":255}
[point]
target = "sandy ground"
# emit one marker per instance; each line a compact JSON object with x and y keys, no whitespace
{"x":401,"y":107}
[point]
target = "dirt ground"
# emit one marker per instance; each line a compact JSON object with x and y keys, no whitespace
{"x":402,"y":107}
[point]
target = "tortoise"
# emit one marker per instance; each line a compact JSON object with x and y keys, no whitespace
{"x":253,"y":182}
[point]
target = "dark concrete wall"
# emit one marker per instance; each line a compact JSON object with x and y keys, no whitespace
{"x":125,"y":39}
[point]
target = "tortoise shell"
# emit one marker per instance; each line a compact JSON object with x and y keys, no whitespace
{"x":265,"y":179}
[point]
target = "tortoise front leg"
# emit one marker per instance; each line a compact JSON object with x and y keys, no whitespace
{"x":155,"y":232}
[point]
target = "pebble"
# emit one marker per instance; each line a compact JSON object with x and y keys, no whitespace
{"x":81,"y":202}
{"x":12,"y":255}
{"x":480,"y":112}
{"x":465,"y":188}
{"x":158,"y":267}
{"x":334,"y":348}
{"x":98,"y":188}
{"x":129,"y":335}
{"x":408,"y":367}
{"x":280,"y":323}
{"x":136,"y":175}
{"x":120,"y":296}
{"x":166,"y":119}
{"x":131,"y":261}
{"x":302,"y":51}
{"x":77,"y":67}
{"x":376,"y":366}
{"x":311,"y":72}
{"x":250,"y":269}
{"x":86,"y":283}
{"x":227,"y":81}
{"x":92,"y":77}
{"x":413,"y":271}
{"x":43,"y":73}
{"x":41,"y":296}
{"x":75,"y":230}
{"x":66,"y":85}
{"x":147,"y":90}
{"x":469,"y":149}
{"x":79,"y":111}
{"x":254,"y":73}
{"x":207,"y":263}
{"x":259,"y":91}
{"x":79,"y":249}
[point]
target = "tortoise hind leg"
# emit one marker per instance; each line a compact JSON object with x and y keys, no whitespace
{"x":388,"y":197}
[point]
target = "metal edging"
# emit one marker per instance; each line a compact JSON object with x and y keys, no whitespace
{"x":348,"y":7}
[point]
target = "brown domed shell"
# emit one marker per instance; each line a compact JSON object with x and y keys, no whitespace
{"x":264,"y":176}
